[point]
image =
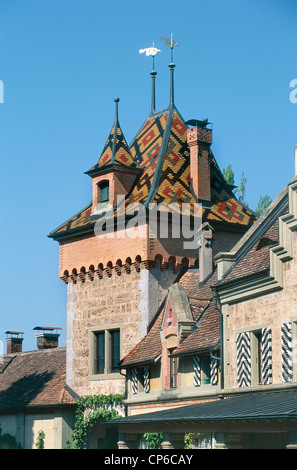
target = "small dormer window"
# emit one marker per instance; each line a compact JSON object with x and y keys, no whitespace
{"x":103,"y":194}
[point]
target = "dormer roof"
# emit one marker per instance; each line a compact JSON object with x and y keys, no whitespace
{"x":116,"y":151}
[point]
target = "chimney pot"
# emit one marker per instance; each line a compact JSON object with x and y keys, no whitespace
{"x":47,"y":338}
{"x":199,"y":141}
{"x":14,"y":341}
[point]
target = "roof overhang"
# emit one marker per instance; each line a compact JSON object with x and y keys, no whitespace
{"x":245,"y":407}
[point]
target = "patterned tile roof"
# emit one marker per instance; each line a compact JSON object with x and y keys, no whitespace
{"x":160,"y":149}
{"x":35,"y":378}
{"x":115,"y":151}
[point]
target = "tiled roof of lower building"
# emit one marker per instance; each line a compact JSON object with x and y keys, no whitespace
{"x":277,"y":405}
{"x":35,"y":378}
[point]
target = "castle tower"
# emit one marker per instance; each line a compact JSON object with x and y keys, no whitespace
{"x":121,"y":253}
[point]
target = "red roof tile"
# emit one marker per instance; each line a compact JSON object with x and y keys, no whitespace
{"x":148,"y":349}
{"x":206,"y":335}
{"x":35,"y":378}
{"x":257,"y":259}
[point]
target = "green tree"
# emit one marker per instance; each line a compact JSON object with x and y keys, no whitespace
{"x":40,"y":440}
{"x":263,"y":203}
{"x":241,"y":191}
{"x":228,"y":174}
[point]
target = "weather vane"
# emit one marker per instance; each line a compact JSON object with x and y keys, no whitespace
{"x":170,"y":42}
{"x":150,"y":51}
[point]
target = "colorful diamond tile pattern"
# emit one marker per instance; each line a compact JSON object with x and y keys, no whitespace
{"x":119,"y":155}
{"x":174,"y":181}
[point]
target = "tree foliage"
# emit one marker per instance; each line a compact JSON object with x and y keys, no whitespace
{"x":92,"y":409}
{"x":228,"y":174}
{"x":40,"y":440}
{"x":153,"y":440}
{"x":263,"y":203}
{"x":8,"y":441}
{"x":240,"y":192}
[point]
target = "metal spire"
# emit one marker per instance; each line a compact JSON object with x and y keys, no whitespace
{"x":115,"y":129}
{"x":170,"y":42}
{"x":152,"y":51}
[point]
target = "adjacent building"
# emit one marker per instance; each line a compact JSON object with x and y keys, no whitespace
{"x":243,"y":345}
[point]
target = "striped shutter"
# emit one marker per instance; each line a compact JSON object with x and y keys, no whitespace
{"x":243,"y":347}
{"x":146,"y":379}
{"x":197,"y":371}
{"x":213,"y":371}
{"x":134,"y":381}
{"x":266,"y":356}
{"x":287,"y":352}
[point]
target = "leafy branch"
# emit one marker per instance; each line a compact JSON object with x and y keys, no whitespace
{"x":90,"y":410}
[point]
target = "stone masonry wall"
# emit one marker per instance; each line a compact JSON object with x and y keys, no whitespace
{"x":129,"y":300}
{"x":270,"y":310}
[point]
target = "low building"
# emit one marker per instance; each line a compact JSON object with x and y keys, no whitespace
{"x":34,"y":396}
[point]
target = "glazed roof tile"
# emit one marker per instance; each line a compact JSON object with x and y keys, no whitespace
{"x":160,"y":149}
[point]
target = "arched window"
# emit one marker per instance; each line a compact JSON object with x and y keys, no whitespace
{"x":103,"y":194}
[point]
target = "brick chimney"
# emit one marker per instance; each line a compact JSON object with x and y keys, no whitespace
{"x":199,"y":139}
{"x":14,"y":341}
{"x":47,"y":337}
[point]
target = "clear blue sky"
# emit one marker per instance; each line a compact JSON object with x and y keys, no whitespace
{"x":62,"y":62}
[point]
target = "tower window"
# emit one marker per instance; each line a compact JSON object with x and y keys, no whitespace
{"x":100,"y":352}
{"x":115,"y":349}
{"x":103,"y":194}
{"x":107,"y":351}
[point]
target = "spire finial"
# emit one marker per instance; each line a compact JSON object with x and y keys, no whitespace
{"x":152,"y":51}
{"x":116,"y":119}
{"x":170,"y":42}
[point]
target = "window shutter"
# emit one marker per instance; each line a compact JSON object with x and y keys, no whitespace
{"x":266,"y":356}
{"x":213,"y":371}
{"x":134,"y":381}
{"x":287,"y":352}
{"x":197,"y":371}
{"x":243,"y":346}
{"x":146,"y":377}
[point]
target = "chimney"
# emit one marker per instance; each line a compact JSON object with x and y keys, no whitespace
{"x":205,"y":255}
{"x":199,"y":139}
{"x":14,"y":341}
{"x":47,"y":337}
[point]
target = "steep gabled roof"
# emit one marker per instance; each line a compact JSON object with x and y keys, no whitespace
{"x":257,"y":258}
{"x":116,"y":150}
{"x":147,"y":350}
{"x":252,"y":254}
{"x":207,"y":317}
{"x":160,"y":149}
{"x":35,"y":378}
